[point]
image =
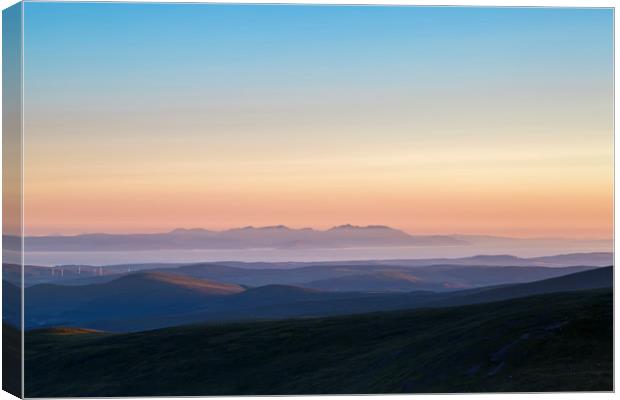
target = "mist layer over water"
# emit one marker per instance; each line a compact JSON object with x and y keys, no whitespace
{"x":527,"y":249}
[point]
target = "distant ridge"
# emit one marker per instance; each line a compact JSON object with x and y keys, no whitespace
{"x":272,"y":236}
{"x":281,"y":237}
{"x":289,"y":272}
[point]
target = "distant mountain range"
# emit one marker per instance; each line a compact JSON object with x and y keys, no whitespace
{"x":278,"y":236}
{"x":271,"y":237}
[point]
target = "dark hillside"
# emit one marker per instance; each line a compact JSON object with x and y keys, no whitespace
{"x":553,"y":342}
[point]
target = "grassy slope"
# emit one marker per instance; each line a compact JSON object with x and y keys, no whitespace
{"x":11,"y":360}
{"x":554,"y":342}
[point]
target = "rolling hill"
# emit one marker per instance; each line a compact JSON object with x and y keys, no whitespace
{"x":381,"y":281}
{"x":394,"y":277}
{"x":593,"y":279}
{"x":263,"y":273}
{"x":435,"y":277}
{"x":138,"y":294}
{"x":552,"y":342}
{"x":146,"y":304}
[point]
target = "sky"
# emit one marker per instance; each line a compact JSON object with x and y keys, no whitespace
{"x":151,"y":117}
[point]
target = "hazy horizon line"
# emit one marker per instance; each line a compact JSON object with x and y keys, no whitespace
{"x":317,"y":229}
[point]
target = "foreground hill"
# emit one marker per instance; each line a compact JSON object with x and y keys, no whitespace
{"x":554,"y":342}
{"x":11,"y":359}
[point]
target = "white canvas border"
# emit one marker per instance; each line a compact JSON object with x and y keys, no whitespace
{"x":479,"y":3}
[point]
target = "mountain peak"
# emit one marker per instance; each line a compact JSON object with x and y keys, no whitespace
{"x":270,"y":227}
{"x":262,"y":228}
{"x":350,"y":226}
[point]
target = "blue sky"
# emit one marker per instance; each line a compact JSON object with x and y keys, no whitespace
{"x":215,"y":46}
{"x":225,"y":102}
